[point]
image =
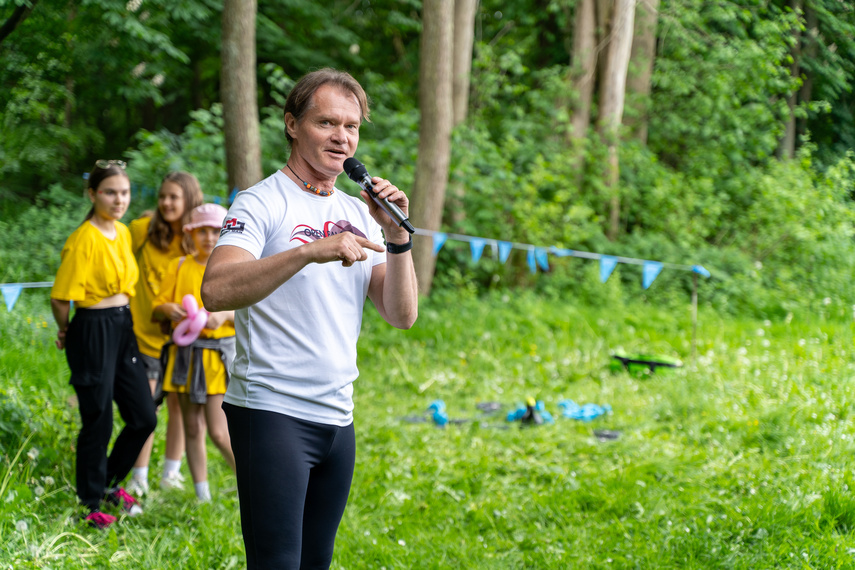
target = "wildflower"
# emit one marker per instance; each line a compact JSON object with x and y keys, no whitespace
{"x":138,"y":69}
{"x":826,"y":301}
{"x":33,"y":453}
{"x":157,"y":80}
{"x":354,"y":49}
{"x":21,"y":526}
{"x":48,"y":480}
{"x":133,"y":5}
{"x":39,"y":490}
{"x":402,"y":543}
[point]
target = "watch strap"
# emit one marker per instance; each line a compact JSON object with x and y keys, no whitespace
{"x":399,"y":247}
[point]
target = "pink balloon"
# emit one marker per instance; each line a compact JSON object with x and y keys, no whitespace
{"x":188,"y":330}
{"x":189,"y":302}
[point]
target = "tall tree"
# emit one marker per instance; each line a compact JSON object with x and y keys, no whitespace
{"x":464,"y":35}
{"x":583,"y":68}
{"x":787,"y":146}
{"x":809,"y":51}
{"x":239,"y":94}
{"x":640,"y":73}
{"x":435,"y":89}
{"x":612,"y":93}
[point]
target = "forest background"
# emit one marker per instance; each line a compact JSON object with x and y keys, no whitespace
{"x":733,"y":149}
{"x":725,"y":139}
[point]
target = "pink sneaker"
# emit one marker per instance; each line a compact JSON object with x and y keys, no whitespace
{"x":97,"y":519}
{"x":122,"y":499}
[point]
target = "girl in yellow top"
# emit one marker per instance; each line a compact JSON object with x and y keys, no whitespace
{"x":98,"y":273}
{"x":159,"y":238}
{"x":198,"y":373}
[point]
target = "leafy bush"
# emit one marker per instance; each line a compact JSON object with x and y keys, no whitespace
{"x":34,"y":238}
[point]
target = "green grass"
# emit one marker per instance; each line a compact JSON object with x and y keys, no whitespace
{"x":739,"y":459}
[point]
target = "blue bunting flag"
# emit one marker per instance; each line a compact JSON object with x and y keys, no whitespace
{"x":542,"y":258}
{"x":701,"y":270}
{"x":504,"y":250}
{"x":10,"y":295}
{"x":650,"y":270}
{"x":476,"y":246}
{"x":439,"y":241}
{"x":607,"y":266}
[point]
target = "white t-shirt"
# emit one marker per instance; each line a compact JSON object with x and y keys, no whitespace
{"x":296,"y":349}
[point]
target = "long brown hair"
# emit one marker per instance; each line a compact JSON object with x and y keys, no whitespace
{"x":160,"y":232}
{"x":97,"y":176}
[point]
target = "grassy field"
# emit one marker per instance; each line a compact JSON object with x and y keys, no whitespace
{"x":739,"y":459}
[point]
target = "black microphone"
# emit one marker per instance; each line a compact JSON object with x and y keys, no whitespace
{"x":357,"y":172}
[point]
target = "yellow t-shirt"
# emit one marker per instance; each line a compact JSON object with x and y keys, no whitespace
{"x":181,"y":278}
{"x":152,"y":264}
{"x":94,"y":267}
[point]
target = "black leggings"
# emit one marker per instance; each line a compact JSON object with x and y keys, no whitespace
{"x":293,"y":481}
{"x":105,"y":364}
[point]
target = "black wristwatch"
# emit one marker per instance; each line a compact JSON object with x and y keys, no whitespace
{"x":399,"y":247}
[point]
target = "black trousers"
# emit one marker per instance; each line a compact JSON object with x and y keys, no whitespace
{"x":293,"y":480}
{"x":105,"y":363}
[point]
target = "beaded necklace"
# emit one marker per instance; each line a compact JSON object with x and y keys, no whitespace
{"x":308,"y":186}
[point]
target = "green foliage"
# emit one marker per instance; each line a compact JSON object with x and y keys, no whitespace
{"x":705,"y":189}
{"x":200,"y":150}
{"x":70,"y":76}
{"x":35,"y":236}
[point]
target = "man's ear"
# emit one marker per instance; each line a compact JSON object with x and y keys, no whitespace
{"x":290,"y":124}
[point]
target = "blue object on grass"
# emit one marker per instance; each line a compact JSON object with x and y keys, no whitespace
{"x":586,"y":413}
{"x":440,"y":418}
{"x":437,"y":406}
{"x":517,"y":413}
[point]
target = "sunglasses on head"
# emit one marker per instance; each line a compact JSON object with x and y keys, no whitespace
{"x":101,"y":163}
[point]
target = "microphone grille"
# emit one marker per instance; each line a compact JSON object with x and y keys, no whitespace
{"x":350,"y":164}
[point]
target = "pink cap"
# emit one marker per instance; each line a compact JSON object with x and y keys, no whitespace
{"x":206,"y":215}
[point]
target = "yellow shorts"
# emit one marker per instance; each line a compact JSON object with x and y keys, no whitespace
{"x":215,"y":373}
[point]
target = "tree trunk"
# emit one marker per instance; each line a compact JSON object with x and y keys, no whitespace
{"x":641,"y":68}
{"x":583,"y":68}
{"x":464,"y":35}
{"x":20,"y":14}
{"x":435,"y":86}
{"x":238,"y":92}
{"x":603,"y":12}
{"x":809,"y":50}
{"x":787,"y":146}
{"x":612,"y":93}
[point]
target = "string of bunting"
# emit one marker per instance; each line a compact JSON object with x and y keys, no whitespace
{"x":538,"y":256}
{"x":535,"y":257}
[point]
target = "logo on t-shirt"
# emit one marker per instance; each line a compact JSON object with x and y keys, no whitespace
{"x":232,"y":225}
{"x":306,"y":233}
